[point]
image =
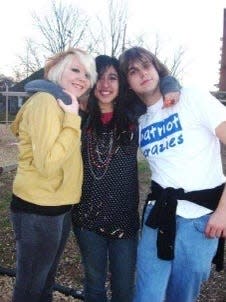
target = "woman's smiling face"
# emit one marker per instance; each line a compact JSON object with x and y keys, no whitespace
{"x":107,"y":88}
{"x":75,"y":78}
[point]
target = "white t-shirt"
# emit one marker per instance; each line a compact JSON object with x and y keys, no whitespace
{"x":181,"y":147}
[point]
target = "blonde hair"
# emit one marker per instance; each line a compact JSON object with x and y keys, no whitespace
{"x":56,"y":64}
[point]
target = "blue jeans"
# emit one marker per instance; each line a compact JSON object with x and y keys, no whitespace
{"x":96,"y":250}
{"x":180,"y":279}
{"x":40,"y":241}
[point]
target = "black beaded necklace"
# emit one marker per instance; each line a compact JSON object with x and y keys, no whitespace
{"x":100,"y":149}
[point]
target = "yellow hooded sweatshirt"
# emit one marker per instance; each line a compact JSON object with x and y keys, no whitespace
{"x":50,"y":170}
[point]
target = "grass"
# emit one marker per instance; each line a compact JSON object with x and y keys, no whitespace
{"x":143,"y":166}
{"x":6,"y":189}
{"x":5,"y":200}
{"x":5,"y":223}
{"x":144,"y":173}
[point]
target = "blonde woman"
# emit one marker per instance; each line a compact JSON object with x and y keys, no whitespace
{"x":49,"y":175}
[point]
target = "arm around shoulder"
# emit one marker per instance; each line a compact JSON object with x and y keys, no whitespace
{"x":169,"y":84}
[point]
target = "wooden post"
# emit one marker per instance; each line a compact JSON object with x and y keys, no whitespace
{"x":7,"y":105}
{"x":222,"y":83}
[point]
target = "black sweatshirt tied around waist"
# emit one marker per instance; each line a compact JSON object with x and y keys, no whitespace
{"x":163,"y":216}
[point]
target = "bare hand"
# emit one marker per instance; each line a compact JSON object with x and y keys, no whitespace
{"x":216,"y":226}
{"x":171,"y":99}
{"x":73,"y":107}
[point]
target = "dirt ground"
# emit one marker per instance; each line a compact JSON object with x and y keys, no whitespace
{"x":70,"y":273}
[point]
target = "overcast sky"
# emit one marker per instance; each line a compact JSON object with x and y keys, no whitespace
{"x":195,"y":24}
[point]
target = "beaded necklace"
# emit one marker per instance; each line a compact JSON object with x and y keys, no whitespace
{"x":100,"y":149}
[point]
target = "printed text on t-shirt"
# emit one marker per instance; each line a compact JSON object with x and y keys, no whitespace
{"x":161,"y":135}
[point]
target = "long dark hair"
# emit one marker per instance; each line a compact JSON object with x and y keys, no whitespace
{"x":132,"y":101}
{"x":120,"y":121}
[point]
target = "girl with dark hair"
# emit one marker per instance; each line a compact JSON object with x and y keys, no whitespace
{"x":106,"y":221}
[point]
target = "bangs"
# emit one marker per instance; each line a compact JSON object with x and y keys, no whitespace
{"x":101,"y":70}
{"x":135,"y":55}
{"x":141,"y":58}
{"x":103,"y":62}
{"x":89,"y":65}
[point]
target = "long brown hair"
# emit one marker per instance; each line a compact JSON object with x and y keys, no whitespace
{"x":143,"y":55}
{"x":132,"y":101}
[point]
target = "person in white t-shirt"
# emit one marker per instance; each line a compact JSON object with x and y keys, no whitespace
{"x":185,"y":213}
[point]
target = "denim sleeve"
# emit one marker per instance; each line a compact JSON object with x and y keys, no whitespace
{"x":169,"y":84}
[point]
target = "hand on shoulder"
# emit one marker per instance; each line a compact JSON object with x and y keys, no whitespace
{"x":73,"y":107}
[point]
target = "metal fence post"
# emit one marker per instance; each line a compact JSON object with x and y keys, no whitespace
{"x":7,"y":105}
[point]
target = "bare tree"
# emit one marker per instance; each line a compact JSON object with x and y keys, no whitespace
{"x":31,"y":61}
{"x":63,"y":28}
{"x":178,"y":62}
{"x":173,"y":57}
{"x":5,"y":81}
{"x":114,"y":38}
{"x":28,"y":62}
{"x":18,"y":74}
{"x":67,"y":26}
{"x":112,"y":29}
{"x":118,"y":25}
